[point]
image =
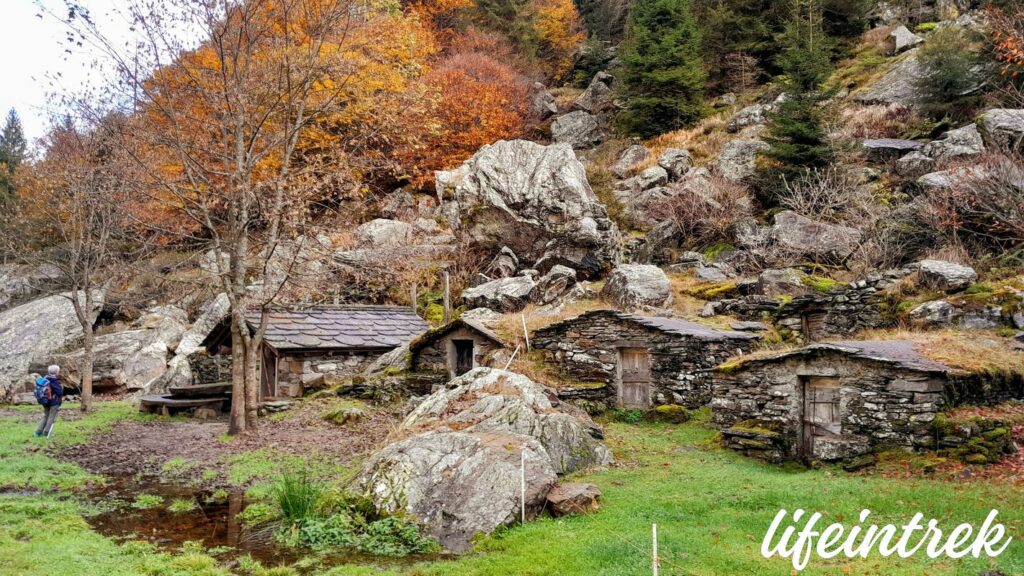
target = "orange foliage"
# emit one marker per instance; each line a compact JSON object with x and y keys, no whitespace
{"x":476,"y":99}
{"x":560,"y":30}
{"x":1008,"y":39}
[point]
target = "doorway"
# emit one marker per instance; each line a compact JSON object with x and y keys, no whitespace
{"x":463,"y":356}
{"x":634,"y":378}
{"x":821,"y":415}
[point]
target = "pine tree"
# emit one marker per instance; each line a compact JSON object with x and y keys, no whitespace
{"x":663,"y":74}
{"x":797,"y":138}
{"x":12,"y":153}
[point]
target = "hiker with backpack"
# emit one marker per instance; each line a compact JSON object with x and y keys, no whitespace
{"x":49,"y":393}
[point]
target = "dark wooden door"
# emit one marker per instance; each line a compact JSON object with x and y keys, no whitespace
{"x":634,"y":378}
{"x":463,"y":356}
{"x":268,"y":374}
{"x":821,"y":411}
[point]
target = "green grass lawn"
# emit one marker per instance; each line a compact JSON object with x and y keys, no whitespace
{"x":712,"y":508}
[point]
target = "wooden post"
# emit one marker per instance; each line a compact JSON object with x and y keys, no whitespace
{"x":413,"y":295}
{"x":526,"y":333}
{"x":522,"y":485}
{"x":447,"y":299}
{"x":654,"y":549}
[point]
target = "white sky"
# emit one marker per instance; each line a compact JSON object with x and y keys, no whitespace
{"x":34,"y":62}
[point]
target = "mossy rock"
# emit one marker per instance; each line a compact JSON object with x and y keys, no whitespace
{"x":976,"y":459}
{"x":671,"y":413}
{"x":758,"y":427}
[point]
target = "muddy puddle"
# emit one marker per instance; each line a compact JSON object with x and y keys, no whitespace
{"x":130,"y":512}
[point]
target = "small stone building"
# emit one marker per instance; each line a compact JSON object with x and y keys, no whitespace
{"x":310,"y":347}
{"x":453,"y":349}
{"x":636,"y":361}
{"x":833,"y":401}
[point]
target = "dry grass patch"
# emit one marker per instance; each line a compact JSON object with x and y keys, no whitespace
{"x":973,"y":351}
{"x":704,"y":141}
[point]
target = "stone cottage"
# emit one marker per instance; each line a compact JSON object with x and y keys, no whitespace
{"x":453,"y":349}
{"x":833,"y":401}
{"x":310,"y":347}
{"x":636,"y":361}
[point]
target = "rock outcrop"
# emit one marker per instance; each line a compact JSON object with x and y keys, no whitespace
{"x":578,"y":129}
{"x":510,"y":294}
{"x":457,"y":464}
{"x":534,"y":199}
{"x":384,"y":232}
{"x":946,"y":276}
{"x":131,"y":359}
{"x":629,"y":158}
{"x":1004,"y":128}
{"x":738,"y":159}
{"x":35,"y":330}
{"x":808,"y":238}
{"x":597,"y":95}
{"x":633,"y":286}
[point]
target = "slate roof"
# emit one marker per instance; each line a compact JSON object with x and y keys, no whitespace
{"x":901,"y":353}
{"x":675,"y":326}
{"x":341,"y":327}
{"x":436,"y":333}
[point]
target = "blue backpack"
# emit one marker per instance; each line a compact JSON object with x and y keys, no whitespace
{"x":44,"y":392}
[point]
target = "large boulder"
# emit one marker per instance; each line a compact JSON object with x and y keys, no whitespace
{"x":738,"y":159}
{"x":914,"y":165}
{"x":543,"y":101}
{"x":808,"y":238}
{"x":632,"y":286}
{"x":551,"y":286}
{"x":897,"y":86}
{"x":534,"y":199}
{"x":885,"y":149}
{"x":37,"y":329}
{"x":752,"y":115}
{"x":782,"y":282}
{"x":676,"y":161}
{"x":498,"y":401}
{"x":131,"y":359}
{"x":384,"y":232}
{"x":179,"y":369}
{"x":510,"y":294}
{"x":902,"y":39}
{"x":597,"y":95}
{"x":457,"y":464}
{"x":935,"y":313}
{"x":578,"y":129}
{"x":960,"y":144}
{"x":629,"y":158}
{"x":211,"y":314}
{"x":946,"y":276}
{"x":459,"y":485}
{"x":1004,"y":128}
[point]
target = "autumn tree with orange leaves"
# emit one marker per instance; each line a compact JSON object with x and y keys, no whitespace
{"x":475,"y":96}
{"x":232,"y":136}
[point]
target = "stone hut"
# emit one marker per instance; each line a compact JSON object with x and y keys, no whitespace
{"x":636,"y":361}
{"x":312,"y":347}
{"x":835,"y":401}
{"x":453,"y":349}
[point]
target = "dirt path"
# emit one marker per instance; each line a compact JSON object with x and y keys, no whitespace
{"x":143,"y":448}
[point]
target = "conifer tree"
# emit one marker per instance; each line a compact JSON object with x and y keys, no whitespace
{"x":663,"y":74}
{"x":797,"y":137}
{"x":12,"y":154}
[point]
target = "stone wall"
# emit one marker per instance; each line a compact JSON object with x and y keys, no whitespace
{"x":586,"y":350}
{"x":840,"y":312}
{"x":880,"y":404}
{"x":438,"y":356}
{"x":298,"y":373}
{"x":209,"y":369}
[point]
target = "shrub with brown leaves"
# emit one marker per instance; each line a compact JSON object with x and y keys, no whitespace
{"x":705,"y":211}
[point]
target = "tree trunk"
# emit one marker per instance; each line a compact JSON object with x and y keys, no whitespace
{"x":85,"y":370}
{"x":252,"y":384}
{"x":236,"y":423}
